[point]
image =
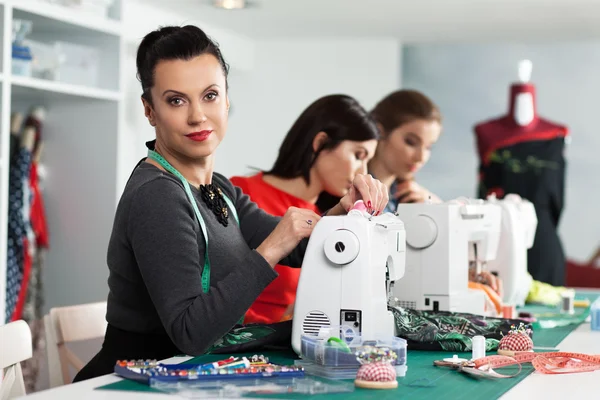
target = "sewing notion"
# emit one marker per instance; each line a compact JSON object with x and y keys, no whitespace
{"x":545,"y":363}
{"x":147,"y":371}
{"x":330,"y":357}
{"x":478,"y":346}
{"x":231,"y":377}
{"x":595,"y":315}
{"x":376,"y":371}
{"x":568,"y":302}
{"x":517,"y":340}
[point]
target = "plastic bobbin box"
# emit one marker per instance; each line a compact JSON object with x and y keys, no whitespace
{"x":322,"y":351}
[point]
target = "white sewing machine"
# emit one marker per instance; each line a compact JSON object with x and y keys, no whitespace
{"x":349,"y":268}
{"x":441,"y":240}
{"x":519,"y":223}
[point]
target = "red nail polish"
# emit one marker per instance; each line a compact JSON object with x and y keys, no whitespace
{"x":369,"y":204}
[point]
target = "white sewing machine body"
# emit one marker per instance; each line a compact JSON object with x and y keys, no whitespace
{"x":519,"y":224}
{"x":349,"y":262}
{"x":440,"y":241}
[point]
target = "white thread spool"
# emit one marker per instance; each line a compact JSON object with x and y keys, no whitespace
{"x":478,"y":345}
{"x":568,"y":300}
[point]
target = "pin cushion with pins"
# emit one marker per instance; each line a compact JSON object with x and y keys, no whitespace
{"x":376,"y":371}
{"x":517,"y":339}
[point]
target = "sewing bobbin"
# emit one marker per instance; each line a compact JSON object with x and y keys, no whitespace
{"x":455,"y":360}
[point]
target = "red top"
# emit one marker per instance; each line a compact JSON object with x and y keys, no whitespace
{"x":504,"y":131}
{"x":271,"y":305}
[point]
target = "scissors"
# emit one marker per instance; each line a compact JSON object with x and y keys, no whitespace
{"x":481,"y":368}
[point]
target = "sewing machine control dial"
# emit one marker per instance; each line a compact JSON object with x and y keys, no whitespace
{"x":342,"y":247}
{"x":421,"y":231}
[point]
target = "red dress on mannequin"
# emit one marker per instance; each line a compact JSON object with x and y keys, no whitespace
{"x":527,"y":159}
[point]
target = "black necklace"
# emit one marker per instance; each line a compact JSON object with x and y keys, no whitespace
{"x":213,"y":197}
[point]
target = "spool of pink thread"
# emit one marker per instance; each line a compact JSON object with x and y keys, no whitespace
{"x":359,"y":205}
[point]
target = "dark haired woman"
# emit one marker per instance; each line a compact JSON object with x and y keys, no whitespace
{"x":409,"y":123}
{"x":189,"y":253}
{"x":329,"y":144}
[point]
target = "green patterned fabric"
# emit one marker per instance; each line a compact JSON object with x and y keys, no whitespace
{"x":441,"y":330}
{"x":241,"y":335}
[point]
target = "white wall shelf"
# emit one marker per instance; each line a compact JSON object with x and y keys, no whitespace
{"x":50,"y":27}
{"x":81,"y":135}
{"x":47,"y":91}
{"x":69,"y":19}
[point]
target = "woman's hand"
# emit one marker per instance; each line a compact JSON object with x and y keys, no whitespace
{"x":296,"y":224}
{"x":487,"y":278}
{"x":412,"y":192}
{"x":368,"y":189}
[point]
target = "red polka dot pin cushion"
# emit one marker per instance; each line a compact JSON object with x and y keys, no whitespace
{"x":517,"y":340}
{"x":376,"y":371}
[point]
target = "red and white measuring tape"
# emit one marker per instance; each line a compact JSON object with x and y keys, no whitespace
{"x":546,"y":363}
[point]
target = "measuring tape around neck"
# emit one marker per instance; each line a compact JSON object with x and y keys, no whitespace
{"x":206,"y":269}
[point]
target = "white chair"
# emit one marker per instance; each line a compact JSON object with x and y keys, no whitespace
{"x":15,"y":346}
{"x":71,"y":324}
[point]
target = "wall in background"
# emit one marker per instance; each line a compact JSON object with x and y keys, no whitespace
{"x":289,"y":75}
{"x":470,"y":83}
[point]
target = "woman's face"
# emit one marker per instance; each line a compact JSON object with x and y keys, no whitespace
{"x":190,"y":106}
{"x":407,"y":148}
{"x":336,"y":168}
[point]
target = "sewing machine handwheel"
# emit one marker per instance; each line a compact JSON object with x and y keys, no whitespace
{"x":342,"y":247}
{"x":421,"y":232}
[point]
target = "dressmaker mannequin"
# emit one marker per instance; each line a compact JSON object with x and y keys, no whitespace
{"x":522,"y":153}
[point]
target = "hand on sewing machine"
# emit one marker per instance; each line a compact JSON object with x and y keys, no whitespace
{"x":296,"y":224}
{"x":365,"y":188}
{"x":487,"y":278}
{"x":411,"y":192}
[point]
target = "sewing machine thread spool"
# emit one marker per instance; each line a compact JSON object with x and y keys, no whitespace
{"x":508,"y":311}
{"x":568,"y":300}
{"x":478,"y":345}
{"x":360,"y":206}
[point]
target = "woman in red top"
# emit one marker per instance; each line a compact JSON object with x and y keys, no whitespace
{"x":331,"y":142}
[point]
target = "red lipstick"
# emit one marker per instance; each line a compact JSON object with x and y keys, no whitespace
{"x":199,"y":136}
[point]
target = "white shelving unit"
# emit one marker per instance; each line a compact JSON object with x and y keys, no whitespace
{"x":80,"y":134}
